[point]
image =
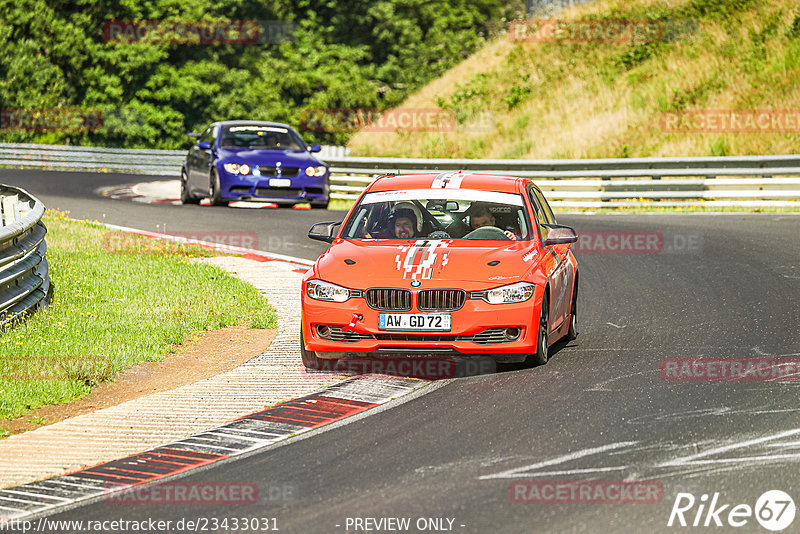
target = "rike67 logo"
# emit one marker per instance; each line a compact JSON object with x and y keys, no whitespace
{"x":774,"y":510}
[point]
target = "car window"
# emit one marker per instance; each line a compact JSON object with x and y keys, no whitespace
{"x":261,"y":137}
{"x":439,"y":214}
{"x":209,"y":134}
{"x":543,"y":202}
{"x":541,"y":214}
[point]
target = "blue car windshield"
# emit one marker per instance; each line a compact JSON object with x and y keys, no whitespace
{"x":261,"y":137}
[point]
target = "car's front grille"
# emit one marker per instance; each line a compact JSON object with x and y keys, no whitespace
{"x":278,"y":192}
{"x":390,"y":299}
{"x":334,"y":333}
{"x":415,"y":337}
{"x":441,"y":299}
{"x":272,"y":170}
{"x":492,"y":336}
{"x":240,"y":189}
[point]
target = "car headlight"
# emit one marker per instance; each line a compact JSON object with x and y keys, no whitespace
{"x":235,"y":168}
{"x":316,"y":171}
{"x":319,"y":290}
{"x":512,"y":293}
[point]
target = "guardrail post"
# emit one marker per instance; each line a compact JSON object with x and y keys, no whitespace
{"x":24,"y":274}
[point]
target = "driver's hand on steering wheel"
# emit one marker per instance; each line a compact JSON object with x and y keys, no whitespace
{"x":510,"y":235}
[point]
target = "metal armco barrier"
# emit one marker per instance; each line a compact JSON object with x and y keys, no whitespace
{"x":714,"y":181}
{"x":99,"y":159}
{"x":24,"y":277}
{"x":678,"y":181}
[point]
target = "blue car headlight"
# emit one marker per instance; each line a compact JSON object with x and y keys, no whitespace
{"x":316,"y":171}
{"x":236,"y":168}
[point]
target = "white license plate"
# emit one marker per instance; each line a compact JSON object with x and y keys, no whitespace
{"x":414,"y":321}
{"x":279,"y":182}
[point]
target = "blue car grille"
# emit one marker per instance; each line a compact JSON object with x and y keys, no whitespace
{"x":272,"y":170}
{"x":278,"y":192}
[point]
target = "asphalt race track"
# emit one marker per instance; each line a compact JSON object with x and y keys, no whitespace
{"x":282,"y":230}
{"x":718,"y":286}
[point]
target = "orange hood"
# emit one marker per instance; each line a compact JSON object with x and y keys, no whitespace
{"x":470,"y":265}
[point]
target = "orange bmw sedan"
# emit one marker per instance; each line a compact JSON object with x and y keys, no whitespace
{"x":449,"y":264}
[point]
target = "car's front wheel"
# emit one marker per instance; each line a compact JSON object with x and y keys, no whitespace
{"x":540,"y":356}
{"x":186,"y":196}
{"x":312,"y":361}
{"x":321,"y":204}
{"x":214,"y":189}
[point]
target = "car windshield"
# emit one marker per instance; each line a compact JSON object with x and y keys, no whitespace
{"x":439,"y":214}
{"x":261,"y":137}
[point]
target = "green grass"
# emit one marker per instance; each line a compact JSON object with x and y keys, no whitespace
{"x":118,"y":301}
{"x":338,"y":204}
{"x":606,"y":99}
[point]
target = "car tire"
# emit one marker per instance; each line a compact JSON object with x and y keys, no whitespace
{"x":572,"y":333}
{"x":214,"y":189}
{"x":320,"y":205}
{"x":313,"y":362}
{"x":186,"y":196}
{"x":540,"y":356}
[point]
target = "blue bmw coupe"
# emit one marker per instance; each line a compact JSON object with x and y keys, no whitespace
{"x":253,"y":161}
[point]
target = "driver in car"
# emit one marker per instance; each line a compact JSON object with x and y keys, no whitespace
{"x":480,"y":216}
{"x":271,"y":141}
{"x":403,"y":222}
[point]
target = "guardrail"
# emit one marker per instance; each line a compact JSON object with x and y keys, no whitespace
{"x":677,"y":181}
{"x":721,"y":181}
{"x":99,"y":159}
{"x":24,"y":276}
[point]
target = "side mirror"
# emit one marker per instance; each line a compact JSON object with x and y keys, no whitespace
{"x":558,"y":234}
{"x":204,"y":145}
{"x":324,"y":231}
{"x":315,"y":148}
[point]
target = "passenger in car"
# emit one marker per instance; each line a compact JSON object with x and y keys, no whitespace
{"x":403,"y":223}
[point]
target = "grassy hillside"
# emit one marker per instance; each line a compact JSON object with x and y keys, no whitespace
{"x":608,"y":99}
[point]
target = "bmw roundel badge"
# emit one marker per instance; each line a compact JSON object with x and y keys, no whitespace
{"x":416,"y":283}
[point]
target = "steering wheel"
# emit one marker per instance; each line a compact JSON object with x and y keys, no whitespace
{"x":438,"y":234}
{"x":487,"y":233}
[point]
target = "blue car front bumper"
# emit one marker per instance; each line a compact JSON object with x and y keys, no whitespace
{"x":278,"y":189}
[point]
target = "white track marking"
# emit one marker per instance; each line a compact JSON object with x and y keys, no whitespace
{"x":693,"y":459}
{"x":525,"y":470}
